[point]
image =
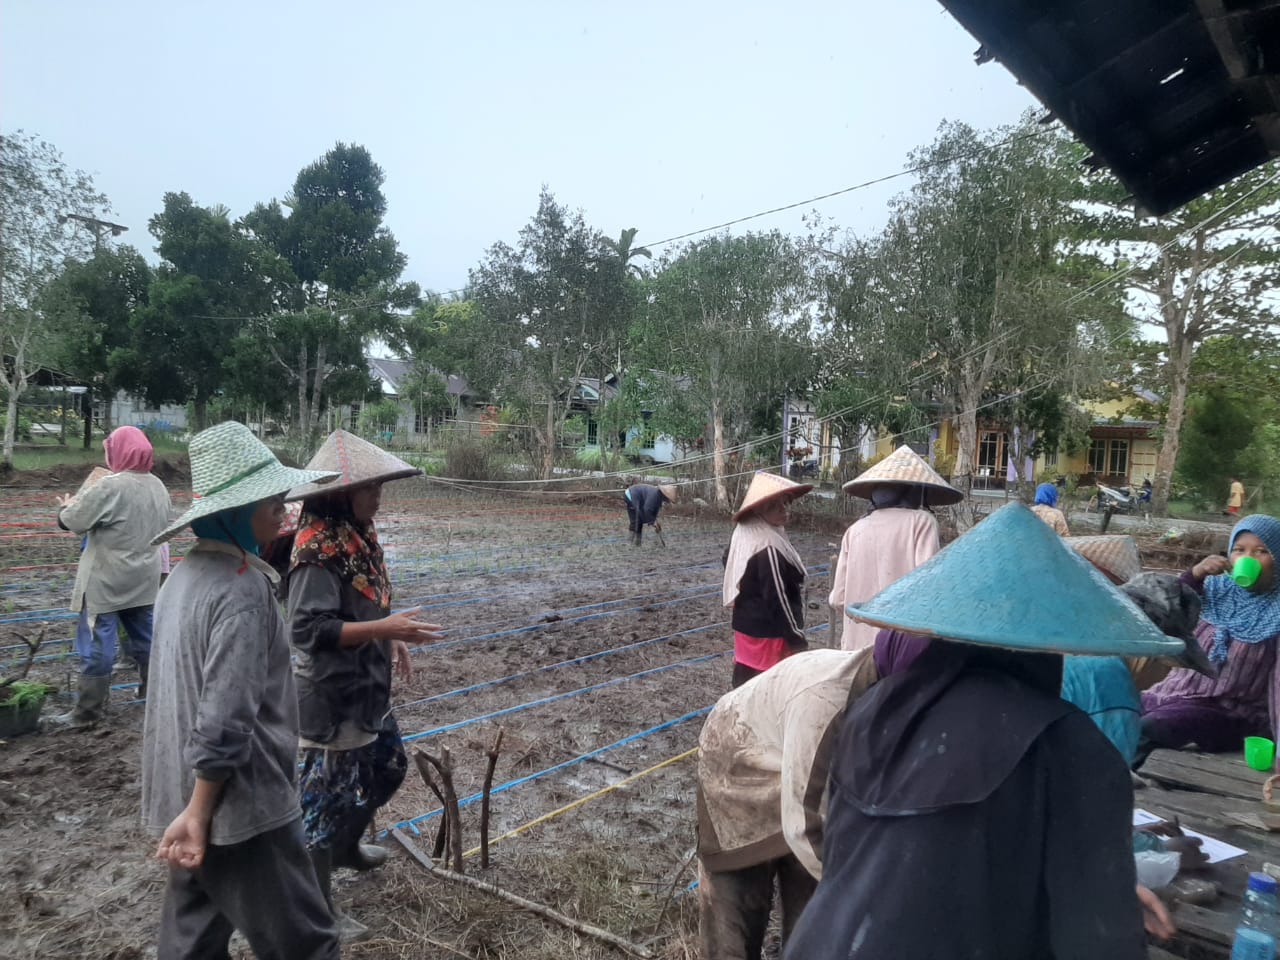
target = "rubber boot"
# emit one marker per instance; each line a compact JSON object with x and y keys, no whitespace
{"x":349,"y":929}
{"x":144,"y":671}
{"x":92,"y":694}
{"x":360,"y":856}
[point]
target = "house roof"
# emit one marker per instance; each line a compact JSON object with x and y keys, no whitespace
{"x":1175,"y":96}
{"x":390,"y":372}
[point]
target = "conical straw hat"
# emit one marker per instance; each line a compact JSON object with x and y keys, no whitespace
{"x":1114,"y":555}
{"x":1011,"y":582}
{"x":357,"y":462}
{"x":905,"y":466}
{"x":230,"y":467}
{"x":670,"y":491}
{"x":765,"y":488}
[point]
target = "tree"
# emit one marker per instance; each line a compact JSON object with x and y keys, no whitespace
{"x":968,"y":292}
{"x":1206,"y":269}
{"x":89,"y":309}
{"x":337,"y":277}
{"x":551,"y":307}
{"x":37,"y":193}
{"x":212,"y":279}
{"x":725,"y":324}
{"x":1233,"y":399}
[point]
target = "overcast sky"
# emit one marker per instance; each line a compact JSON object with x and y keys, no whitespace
{"x":665,"y":116}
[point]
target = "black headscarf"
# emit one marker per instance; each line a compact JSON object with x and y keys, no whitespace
{"x":950,"y":729}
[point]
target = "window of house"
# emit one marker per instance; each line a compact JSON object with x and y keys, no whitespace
{"x":419,"y":422}
{"x":991,"y":451}
{"x":355,"y":414}
{"x":593,"y":432}
{"x":1098,"y":456}
{"x":1051,"y":458}
{"x":1118,"y":458}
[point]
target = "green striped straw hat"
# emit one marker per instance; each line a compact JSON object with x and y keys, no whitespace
{"x":230,"y":468}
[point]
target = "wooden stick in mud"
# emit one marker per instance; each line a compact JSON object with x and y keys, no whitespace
{"x":442,"y":834}
{"x":542,"y":910}
{"x":33,"y":646}
{"x":444,"y":767}
{"x":484,"y":799}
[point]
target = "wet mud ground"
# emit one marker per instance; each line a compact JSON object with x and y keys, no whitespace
{"x":596,"y":660}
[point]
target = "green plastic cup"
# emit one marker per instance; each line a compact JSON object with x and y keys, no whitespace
{"x":1259,"y":753}
{"x":1246,"y":572}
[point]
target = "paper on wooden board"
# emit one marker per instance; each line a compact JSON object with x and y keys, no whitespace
{"x":1215,"y":850}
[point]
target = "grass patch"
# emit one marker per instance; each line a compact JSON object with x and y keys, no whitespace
{"x":44,"y":457}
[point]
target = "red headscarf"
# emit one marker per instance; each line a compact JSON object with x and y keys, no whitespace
{"x":128,"y":448}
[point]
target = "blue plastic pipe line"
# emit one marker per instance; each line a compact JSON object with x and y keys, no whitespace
{"x":555,"y":698}
{"x":532,"y":627}
{"x":528,"y":628}
{"x":463,"y":691}
{"x":583,"y":758}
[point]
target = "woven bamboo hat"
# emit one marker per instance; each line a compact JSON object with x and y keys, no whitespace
{"x":670,"y":491}
{"x":357,"y":462}
{"x":1011,"y":582}
{"x":767,"y":488}
{"x":905,"y":466}
{"x":230,"y":467}
{"x":1116,"y":556}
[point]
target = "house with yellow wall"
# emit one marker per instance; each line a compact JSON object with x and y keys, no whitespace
{"x":1121,"y":450}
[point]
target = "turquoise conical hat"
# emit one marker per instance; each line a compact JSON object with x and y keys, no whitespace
{"x":1011,"y":582}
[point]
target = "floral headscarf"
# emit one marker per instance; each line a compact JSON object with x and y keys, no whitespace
{"x":341,"y":546}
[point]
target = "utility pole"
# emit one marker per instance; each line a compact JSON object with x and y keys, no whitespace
{"x":99,"y":228}
{"x":786,"y":429}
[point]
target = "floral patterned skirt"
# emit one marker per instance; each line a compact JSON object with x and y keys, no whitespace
{"x":340,"y":789}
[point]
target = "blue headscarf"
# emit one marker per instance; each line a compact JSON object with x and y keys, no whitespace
{"x":234,"y":526}
{"x":1047,"y":493}
{"x":1234,"y":611}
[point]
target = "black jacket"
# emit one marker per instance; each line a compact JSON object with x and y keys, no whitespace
{"x":643,"y":502}
{"x":335,"y":683}
{"x":770,"y":600}
{"x":972,"y":817}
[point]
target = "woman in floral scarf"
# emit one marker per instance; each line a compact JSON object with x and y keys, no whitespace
{"x":347,"y":641}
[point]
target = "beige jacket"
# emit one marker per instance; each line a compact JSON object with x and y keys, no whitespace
{"x":119,"y":568}
{"x":880,"y":548}
{"x":763,"y":759}
{"x":1053,"y":517}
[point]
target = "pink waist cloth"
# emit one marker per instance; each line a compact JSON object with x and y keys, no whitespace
{"x":759,"y":653}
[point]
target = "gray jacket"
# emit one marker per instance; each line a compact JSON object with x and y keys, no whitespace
{"x":221,"y":704}
{"x":119,"y":568}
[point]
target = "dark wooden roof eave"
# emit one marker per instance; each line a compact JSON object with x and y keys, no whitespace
{"x":1166,"y":144}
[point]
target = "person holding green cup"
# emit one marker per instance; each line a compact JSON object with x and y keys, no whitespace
{"x":1239,"y":630}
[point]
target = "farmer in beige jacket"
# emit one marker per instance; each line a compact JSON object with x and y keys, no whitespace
{"x":762,"y":777}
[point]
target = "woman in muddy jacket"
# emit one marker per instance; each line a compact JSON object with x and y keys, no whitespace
{"x":348,"y":641}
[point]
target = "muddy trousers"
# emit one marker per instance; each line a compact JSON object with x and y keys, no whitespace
{"x":264,"y":887}
{"x":733,"y":906}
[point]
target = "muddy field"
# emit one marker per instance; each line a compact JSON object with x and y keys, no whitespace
{"x":597,"y":661}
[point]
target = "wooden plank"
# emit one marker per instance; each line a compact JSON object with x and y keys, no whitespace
{"x":1204,"y":773}
{"x":1220,"y":764}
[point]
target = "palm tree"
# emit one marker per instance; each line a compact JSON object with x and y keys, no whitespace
{"x":626,"y":253}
